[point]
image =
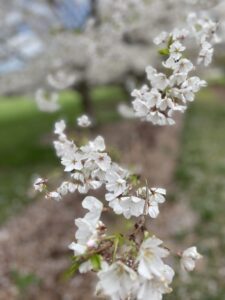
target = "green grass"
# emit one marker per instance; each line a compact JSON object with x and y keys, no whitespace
{"x":26,"y":141}
{"x":200,"y":179}
{"x":23,"y":282}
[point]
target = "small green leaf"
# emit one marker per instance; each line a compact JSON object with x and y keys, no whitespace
{"x":128,"y":224}
{"x":134,"y":178}
{"x":198,"y":27}
{"x":164,"y":51}
{"x":73,"y":269}
{"x":120,"y":239}
{"x":96,"y":262}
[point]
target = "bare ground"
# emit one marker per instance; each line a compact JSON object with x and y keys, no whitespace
{"x":36,"y":241}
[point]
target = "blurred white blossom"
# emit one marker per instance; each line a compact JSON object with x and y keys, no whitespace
{"x":83,"y":121}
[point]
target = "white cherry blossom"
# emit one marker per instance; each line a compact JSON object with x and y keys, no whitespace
{"x":128,"y":206}
{"x":47,"y":102}
{"x":89,"y":227}
{"x":189,"y":258}
{"x":61,"y":79}
{"x":83,"y":121}
{"x":150,"y":263}
{"x":66,"y":187}
{"x":72,"y":162}
{"x":60,"y":128}
{"x":94,"y":206}
{"x":115,"y":184}
{"x":54,"y":195}
{"x":184,"y":65}
{"x":153,"y":197}
{"x":156,"y":287}
{"x":205,"y":54}
{"x":102,"y":160}
{"x":85,"y":267}
{"x":177,"y":47}
{"x":180,"y":34}
{"x":39,"y":184}
{"x":159,"y":81}
{"x":161,"y":38}
{"x":117,"y":281}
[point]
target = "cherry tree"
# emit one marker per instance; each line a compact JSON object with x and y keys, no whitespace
{"x":132,"y":265}
{"x":114,"y":46}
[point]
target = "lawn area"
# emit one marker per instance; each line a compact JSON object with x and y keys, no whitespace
{"x":200,"y":179}
{"x":26,"y":147}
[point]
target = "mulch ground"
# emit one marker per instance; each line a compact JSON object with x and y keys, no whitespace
{"x":36,"y":241}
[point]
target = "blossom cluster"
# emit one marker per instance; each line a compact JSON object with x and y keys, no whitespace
{"x":146,"y":275}
{"x":84,"y":121}
{"x":89,"y":167}
{"x":205,"y":32}
{"x":61,"y":79}
{"x":89,"y":57}
{"x":125,"y":270}
{"x":127,"y":266}
{"x":48,"y":101}
{"x":171,"y":91}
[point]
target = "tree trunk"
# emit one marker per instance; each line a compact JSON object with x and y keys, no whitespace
{"x":94,"y":12}
{"x":87,"y":103}
{"x":94,"y":8}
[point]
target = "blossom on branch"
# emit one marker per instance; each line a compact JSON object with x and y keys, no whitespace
{"x":189,"y":258}
{"x":171,"y":91}
{"x":84,"y":121}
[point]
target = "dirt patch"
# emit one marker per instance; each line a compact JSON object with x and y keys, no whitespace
{"x":36,"y":241}
{"x":151,"y":151}
{"x":219,"y":90}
